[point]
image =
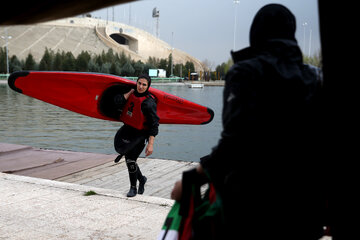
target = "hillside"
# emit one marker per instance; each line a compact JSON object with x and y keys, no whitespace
{"x":91,"y":35}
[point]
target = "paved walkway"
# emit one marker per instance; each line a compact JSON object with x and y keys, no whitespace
{"x":33,"y":208}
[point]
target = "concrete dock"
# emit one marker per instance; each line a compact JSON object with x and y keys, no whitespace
{"x":42,"y":195}
{"x":90,"y":169}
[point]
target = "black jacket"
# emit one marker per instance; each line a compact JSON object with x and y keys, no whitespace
{"x":266,"y":164}
{"x":269,"y":107}
{"x":269,"y":100}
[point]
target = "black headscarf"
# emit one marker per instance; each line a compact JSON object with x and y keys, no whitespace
{"x":148,"y":78}
{"x":273,"y":21}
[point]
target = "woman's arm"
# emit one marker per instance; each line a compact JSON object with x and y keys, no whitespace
{"x":152,"y":121}
{"x":148,"y":108}
{"x":120,"y":100}
{"x":150,"y":146}
{"x":126,"y":95}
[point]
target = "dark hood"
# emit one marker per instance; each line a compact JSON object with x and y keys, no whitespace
{"x":273,"y":43}
{"x":148,"y":78}
{"x":272,"y":39}
{"x":272,"y":21}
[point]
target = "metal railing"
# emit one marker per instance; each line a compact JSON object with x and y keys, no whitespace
{"x":4,"y":76}
{"x":159,"y":80}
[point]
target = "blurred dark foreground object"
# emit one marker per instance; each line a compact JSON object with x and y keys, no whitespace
{"x":30,"y":12}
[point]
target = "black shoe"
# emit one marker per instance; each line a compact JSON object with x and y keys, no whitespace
{"x":132,"y":192}
{"x":117,"y":159}
{"x":141,"y":185}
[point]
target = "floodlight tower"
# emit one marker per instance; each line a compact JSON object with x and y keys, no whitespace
{"x":156,"y":14}
{"x":236,"y":2}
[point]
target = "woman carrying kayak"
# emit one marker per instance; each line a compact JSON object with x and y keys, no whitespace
{"x":138,"y":113}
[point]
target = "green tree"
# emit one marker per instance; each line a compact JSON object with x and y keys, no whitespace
{"x":223,"y":68}
{"x":153,"y":62}
{"x":58,"y":62}
{"x":3,"y":60}
{"x":139,"y":68}
{"x":168,"y":68}
{"x":213,"y":75}
{"x":228,"y":65}
{"x":189,"y":66}
{"x":115,"y":68}
{"x":103,"y":57}
{"x":109,"y":56}
{"x":315,"y":59}
{"x":147,"y":67}
{"x":127,"y":69}
{"x":93,"y":66}
{"x":69,"y":62}
{"x":105,"y":68}
{"x":123,"y":59}
{"x":14,"y":64}
{"x":30,"y":63}
{"x":178,"y":70}
{"x":82,"y":61}
{"x":163,"y":64}
{"x":46,"y":61}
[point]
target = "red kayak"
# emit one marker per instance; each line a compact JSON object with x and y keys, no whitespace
{"x":92,"y":94}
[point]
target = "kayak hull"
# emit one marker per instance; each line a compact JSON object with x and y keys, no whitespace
{"x":92,"y":94}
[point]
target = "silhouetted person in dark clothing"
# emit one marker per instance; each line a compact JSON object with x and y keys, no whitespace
{"x":266,"y":165}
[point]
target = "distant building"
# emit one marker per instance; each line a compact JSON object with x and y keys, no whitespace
{"x":161,"y":73}
{"x":194,"y":76}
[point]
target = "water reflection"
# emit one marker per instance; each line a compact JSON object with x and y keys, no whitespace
{"x":28,"y":121}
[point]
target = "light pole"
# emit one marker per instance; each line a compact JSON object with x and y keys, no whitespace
{"x":310,"y":42}
{"x":156,"y":14}
{"x":236,"y":4}
{"x":172,"y":56}
{"x":6,"y":37}
{"x":304,"y":25}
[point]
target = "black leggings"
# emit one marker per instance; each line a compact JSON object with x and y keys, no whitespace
{"x":133,"y":168}
{"x":135,"y":152}
{"x":130,"y":142}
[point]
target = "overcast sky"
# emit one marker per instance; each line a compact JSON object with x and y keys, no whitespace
{"x":205,"y":28}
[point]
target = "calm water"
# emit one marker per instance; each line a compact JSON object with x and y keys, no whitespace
{"x":28,"y":121}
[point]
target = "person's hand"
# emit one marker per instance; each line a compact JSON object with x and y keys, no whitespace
{"x":127,"y":95}
{"x":150,"y":146}
{"x":149,"y":150}
{"x":176,"y":193}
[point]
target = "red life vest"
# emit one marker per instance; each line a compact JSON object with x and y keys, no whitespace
{"x":132,"y":114}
